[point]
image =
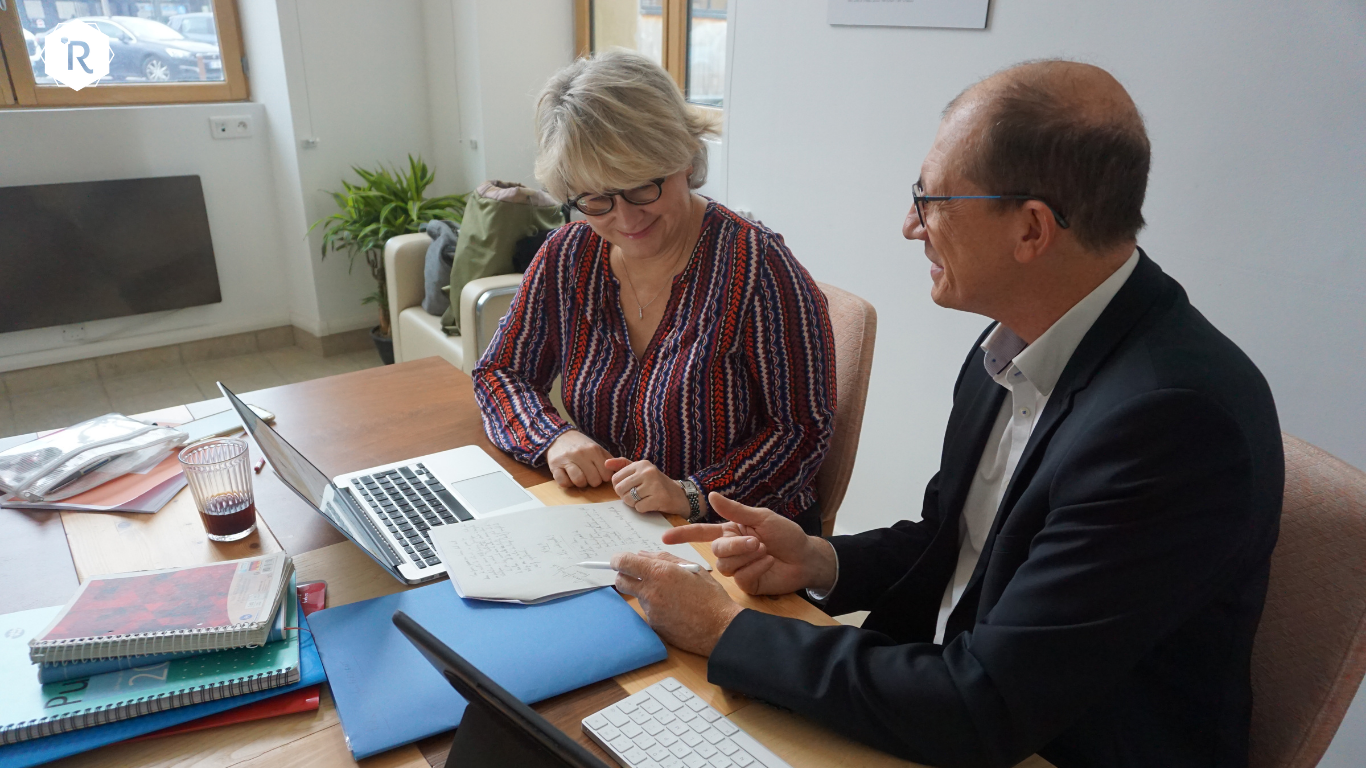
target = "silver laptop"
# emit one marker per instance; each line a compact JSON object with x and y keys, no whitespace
{"x":388,"y":510}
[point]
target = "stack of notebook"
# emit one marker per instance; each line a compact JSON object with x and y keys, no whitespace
{"x":134,"y":644}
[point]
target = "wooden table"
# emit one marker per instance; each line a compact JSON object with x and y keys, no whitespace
{"x":346,"y":423}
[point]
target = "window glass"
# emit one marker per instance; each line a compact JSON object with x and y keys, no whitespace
{"x":634,"y":24}
{"x":706,"y":52}
{"x":171,"y":42}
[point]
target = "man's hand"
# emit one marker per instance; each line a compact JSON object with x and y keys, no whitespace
{"x":657,"y":491}
{"x":689,"y":610}
{"x":576,"y":460}
{"x":765,"y":552}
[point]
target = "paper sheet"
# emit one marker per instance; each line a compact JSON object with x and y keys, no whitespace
{"x":530,"y":556}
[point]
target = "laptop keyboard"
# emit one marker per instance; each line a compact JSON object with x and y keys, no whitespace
{"x":668,"y":726}
{"x":410,"y":501}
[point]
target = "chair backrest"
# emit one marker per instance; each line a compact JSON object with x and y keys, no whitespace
{"x":1310,"y":650}
{"x":854,"y":322}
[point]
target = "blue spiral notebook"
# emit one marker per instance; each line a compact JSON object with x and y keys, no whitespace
{"x":388,"y":695}
{"x":50,"y":748}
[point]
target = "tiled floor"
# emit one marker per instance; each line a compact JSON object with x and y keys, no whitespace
{"x":24,"y":412}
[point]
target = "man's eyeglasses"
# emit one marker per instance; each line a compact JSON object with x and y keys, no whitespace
{"x":600,"y":203}
{"x":920,"y":198}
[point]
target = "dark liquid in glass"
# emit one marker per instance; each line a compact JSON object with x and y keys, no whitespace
{"x":228,"y":513}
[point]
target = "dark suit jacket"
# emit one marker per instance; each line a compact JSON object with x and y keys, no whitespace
{"x":1110,"y":619}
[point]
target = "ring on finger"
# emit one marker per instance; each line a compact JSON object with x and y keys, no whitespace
{"x":634,"y":495}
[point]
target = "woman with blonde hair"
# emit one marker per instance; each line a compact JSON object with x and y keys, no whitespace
{"x":695,"y":353}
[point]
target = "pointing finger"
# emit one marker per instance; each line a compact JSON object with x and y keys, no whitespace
{"x":694,"y":532}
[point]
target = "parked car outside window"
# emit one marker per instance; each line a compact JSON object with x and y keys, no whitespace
{"x":149,"y":51}
{"x":195,"y":26}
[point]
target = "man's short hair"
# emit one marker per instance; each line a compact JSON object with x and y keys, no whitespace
{"x":1040,"y":137}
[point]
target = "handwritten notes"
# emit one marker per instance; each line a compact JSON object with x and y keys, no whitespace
{"x":530,"y":556}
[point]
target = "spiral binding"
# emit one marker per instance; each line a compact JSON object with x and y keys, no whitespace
{"x":146,"y":705}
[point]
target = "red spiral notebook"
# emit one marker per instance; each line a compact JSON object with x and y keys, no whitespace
{"x":201,"y":608}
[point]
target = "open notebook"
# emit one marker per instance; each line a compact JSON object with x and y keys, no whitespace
{"x":531,"y":556}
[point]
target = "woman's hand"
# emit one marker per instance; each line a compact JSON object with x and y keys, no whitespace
{"x":576,"y":460}
{"x":654,"y":490}
{"x":765,"y":552}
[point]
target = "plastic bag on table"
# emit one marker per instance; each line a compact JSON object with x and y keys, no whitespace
{"x":82,"y":456}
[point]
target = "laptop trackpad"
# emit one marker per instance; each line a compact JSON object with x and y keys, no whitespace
{"x":492,"y":492}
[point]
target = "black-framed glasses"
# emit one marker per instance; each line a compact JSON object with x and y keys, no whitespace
{"x":920,"y":198}
{"x":601,"y":203}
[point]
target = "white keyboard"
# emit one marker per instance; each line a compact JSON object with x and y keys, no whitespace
{"x":669,"y":726}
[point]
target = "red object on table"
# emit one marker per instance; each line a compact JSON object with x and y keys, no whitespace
{"x":312,"y":597}
{"x":302,"y":700}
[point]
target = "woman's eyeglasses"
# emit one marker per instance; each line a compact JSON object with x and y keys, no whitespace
{"x":600,"y":203}
{"x":920,"y":198}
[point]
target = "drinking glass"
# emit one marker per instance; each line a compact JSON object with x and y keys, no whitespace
{"x":219,"y":473}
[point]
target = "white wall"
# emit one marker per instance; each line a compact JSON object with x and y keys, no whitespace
{"x":504,"y":51}
{"x":357,"y":84}
{"x":65,"y":145}
{"x":270,"y":82}
{"x":1257,"y":114}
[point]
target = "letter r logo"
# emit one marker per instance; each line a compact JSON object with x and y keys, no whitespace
{"x":76,"y":54}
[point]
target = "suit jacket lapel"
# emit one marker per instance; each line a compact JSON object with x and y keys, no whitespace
{"x":1143,"y":288}
{"x":976,"y":405}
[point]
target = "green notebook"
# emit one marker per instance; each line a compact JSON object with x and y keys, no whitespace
{"x":30,"y":711}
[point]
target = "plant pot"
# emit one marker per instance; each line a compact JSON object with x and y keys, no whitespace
{"x":384,"y":345}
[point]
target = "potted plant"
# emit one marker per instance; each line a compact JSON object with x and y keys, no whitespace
{"x":389,"y":203}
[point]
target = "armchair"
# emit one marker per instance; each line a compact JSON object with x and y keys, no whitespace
{"x":416,"y":334}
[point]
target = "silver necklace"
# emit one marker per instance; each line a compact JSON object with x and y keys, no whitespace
{"x":640,"y":308}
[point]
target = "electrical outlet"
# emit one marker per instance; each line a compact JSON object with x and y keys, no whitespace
{"x":73,"y":334}
{"x":230,"y":127}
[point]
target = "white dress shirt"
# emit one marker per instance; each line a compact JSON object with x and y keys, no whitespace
{"x":1029,"y":373}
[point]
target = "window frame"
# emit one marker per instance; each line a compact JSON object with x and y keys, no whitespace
{"x":675,"y":42}
{"x":6,"y":92}
{"x":19,"y":90}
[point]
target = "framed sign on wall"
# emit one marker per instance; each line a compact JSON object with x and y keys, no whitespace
{"x":954,"y":14}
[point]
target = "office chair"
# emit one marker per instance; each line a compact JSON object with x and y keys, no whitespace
{"x":1310,"y":651}
{"x":854,"y":322}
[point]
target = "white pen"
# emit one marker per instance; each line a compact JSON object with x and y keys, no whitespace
{"x":603,"y":565}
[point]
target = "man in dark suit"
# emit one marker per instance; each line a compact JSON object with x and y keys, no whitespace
{"x":1092,"y":556}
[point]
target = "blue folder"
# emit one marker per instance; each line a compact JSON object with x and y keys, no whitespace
{"x":388,"y":695}
{"x":43,"y":750}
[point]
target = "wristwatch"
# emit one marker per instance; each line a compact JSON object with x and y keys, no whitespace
{"x":694,"y":501}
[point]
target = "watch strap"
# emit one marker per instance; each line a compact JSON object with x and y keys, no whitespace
{"x":694,"y":500}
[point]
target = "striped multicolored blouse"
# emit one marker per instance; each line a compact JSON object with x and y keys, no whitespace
{"x":736,"y":390}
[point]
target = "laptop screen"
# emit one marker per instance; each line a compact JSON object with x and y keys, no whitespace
{"x":297,"y":472}
{"x":314,"y":487}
